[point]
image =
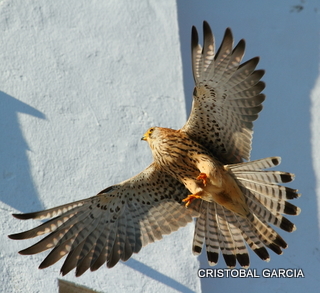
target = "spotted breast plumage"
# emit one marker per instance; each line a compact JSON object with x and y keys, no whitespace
{"x":202,"y":170}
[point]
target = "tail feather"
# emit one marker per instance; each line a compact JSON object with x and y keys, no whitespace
{"x":270,"y":210}
{"x":225,"y":239}
{"x":272,"y":204}
{"x":256,"y":165}
{"x":228,"y":232}
{"x":240,"y":248}
{"x":277,"y":192}
{"x":266,"y":234}
{"x":212,"y":238}
{"x":252,"y":239}
{"x":270,"y":177}
{"x":206,"y":230}
{"x":276,"y":219}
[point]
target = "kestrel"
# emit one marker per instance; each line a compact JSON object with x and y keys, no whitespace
{"x":202,"y":170}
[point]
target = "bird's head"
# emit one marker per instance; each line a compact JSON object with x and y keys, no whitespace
{"x":150,"y":134}
{"x":156,"y":136}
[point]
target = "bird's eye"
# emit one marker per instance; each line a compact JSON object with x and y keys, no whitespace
{"x":151,"y":130}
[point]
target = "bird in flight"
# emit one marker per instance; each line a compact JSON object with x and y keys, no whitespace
{"x":201,"y":170}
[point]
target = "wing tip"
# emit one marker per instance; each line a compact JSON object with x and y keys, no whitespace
{"x":24,"y":252}
{"x":240,"y":48}
{"x":194,"y":38}
{"x":16,"y":236}
{"x":254,"y":62}
{"x":207,"y":32}
{"x":25,"y":216}
{"x":227,"y":36}
{"x":228,"y":31}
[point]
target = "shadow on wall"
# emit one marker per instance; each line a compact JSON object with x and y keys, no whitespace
{"x":16,"y":184}
{"x":279,"y":35}
{"x":155,"y":275}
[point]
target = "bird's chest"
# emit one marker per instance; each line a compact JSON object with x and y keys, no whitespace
{"x":184,"y":159}
{"x":187,"y":166}
{"x":181,"y":166}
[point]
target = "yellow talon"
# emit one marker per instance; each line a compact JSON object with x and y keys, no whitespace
{"x":203,"y":177}
{"x":190,"y":198}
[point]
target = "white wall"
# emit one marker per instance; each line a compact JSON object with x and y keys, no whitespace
{"x":288,"y":43}
{"x":80,"y":82}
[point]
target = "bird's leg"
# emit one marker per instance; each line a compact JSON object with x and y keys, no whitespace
{"x":188,"y":200}
{"x":203,"y":177}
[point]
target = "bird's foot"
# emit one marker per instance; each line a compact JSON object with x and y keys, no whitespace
{"x":188,"y":200}
{"x":203,"y":177}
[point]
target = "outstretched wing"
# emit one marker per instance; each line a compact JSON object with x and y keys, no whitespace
{"x":112,"y":225}
{"x":225,"y":231}
{"x":227,"y":97}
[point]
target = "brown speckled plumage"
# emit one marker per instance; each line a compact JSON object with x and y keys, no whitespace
{"x":201,"y":164}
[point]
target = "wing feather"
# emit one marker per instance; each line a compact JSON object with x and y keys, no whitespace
{"x":227,"y":97}
{"x":112,"y":225}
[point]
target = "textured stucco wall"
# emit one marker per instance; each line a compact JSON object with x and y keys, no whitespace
{"x":81,"y":81}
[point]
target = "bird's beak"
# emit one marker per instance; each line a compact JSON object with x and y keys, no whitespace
{"x":144,"y":137}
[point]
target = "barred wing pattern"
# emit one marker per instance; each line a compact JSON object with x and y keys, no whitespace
{"x":227,"y":97}
{"x":225,"y":231}
{"x":112,"y":225}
